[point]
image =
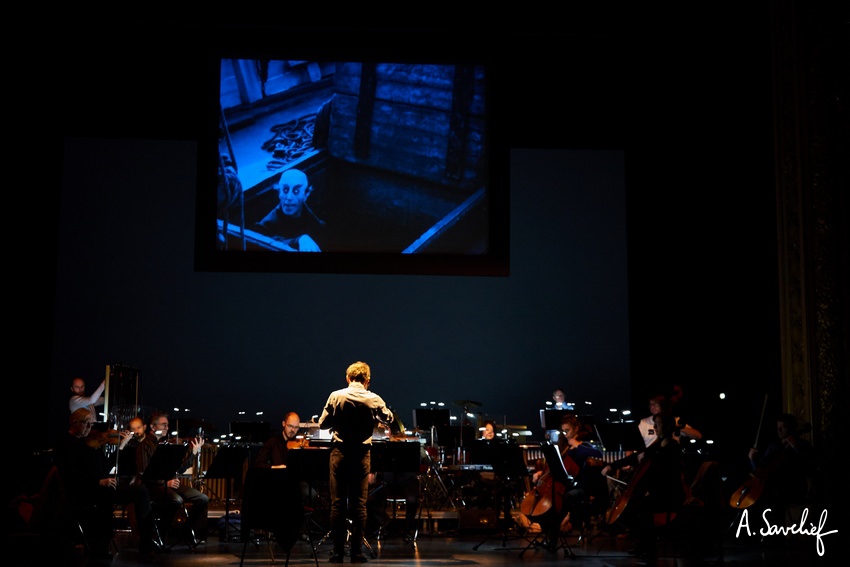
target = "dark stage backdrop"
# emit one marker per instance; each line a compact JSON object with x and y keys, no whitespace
{"x":222,"y":343}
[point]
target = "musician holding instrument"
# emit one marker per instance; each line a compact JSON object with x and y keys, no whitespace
{"x":659,"y":403}
{"x":176,"y":491}
{"x":656,"y":491}
{"x":782,"y":472}
{"x":351,"y":414}
{"x":582,"y":461}
{"x":84,"y":470}
{"x":274,"y":451}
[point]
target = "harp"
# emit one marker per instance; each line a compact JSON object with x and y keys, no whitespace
{"x":121,"y":395}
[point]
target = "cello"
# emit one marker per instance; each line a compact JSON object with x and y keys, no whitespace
{"x":667,"y":486}
{"x":623,"y":499}
{"x":548,"y":493}
{"x":750,"y":490}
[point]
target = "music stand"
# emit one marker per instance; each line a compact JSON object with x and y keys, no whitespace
{"x":508,"y":465}
{"x":398,"y":458}
{"x":165,"y":462}
{"x":271,"y":502}
{"x":550,"y":419}
{"x":163,"y":466}
{"x":559,"y":475}
{"x":310,"y":465}
{"x":125,"y":464}
{"x":620,"y":436}
{"x":455,"y":436}
{"x":227,"y":464}
{"x":424,"y":418}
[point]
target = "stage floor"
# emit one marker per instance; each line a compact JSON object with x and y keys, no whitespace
{"x":447,"y":539}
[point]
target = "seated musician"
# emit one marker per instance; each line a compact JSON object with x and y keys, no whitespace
{"x":89,"y":488}
{"x":783,"y":470}
{"x":176,"y":491}
{"x":656,"y":491}
{"x":275,"y":452}
{"x":488,"y":437}
{"x":582,"y":460}
{"x":500,"y":486}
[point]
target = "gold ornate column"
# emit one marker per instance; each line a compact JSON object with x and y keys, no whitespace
{"x":810,"y":103}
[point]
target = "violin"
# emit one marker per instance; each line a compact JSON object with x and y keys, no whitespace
{"x":298,"y":443}
{"x":98,"y":439}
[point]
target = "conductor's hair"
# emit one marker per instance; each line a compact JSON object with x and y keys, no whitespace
{"x":359,"y":372}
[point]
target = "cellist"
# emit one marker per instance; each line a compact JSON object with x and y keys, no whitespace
{"x":580,"y":459}
{"x":566,"y":501}
{"x":657,"y":490}
{"x":783,"y":470}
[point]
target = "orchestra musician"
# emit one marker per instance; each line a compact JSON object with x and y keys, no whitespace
{"x":656,"y":491}
{"x":782,"y":472}
{"x":274,"y":451}
{"x":658,"y":403}
{"x":583,"y":462}
{"x":491,"y":489}
{"x":84,"y":470}
{"x":177,"y":491}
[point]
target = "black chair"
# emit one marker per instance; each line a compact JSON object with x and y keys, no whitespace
{"x":272,"y":504}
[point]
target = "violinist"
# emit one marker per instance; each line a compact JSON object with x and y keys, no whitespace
{"x":784,"y":469}
{"x":175,"y":492}
{"x":656,"y":491}
{"x":88,"y":485}
{"x":274,"y":451}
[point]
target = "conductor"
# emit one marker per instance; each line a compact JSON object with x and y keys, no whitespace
{"x":351,"y":413}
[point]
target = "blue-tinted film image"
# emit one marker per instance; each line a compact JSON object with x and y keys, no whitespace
{"x":352,"y":157}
